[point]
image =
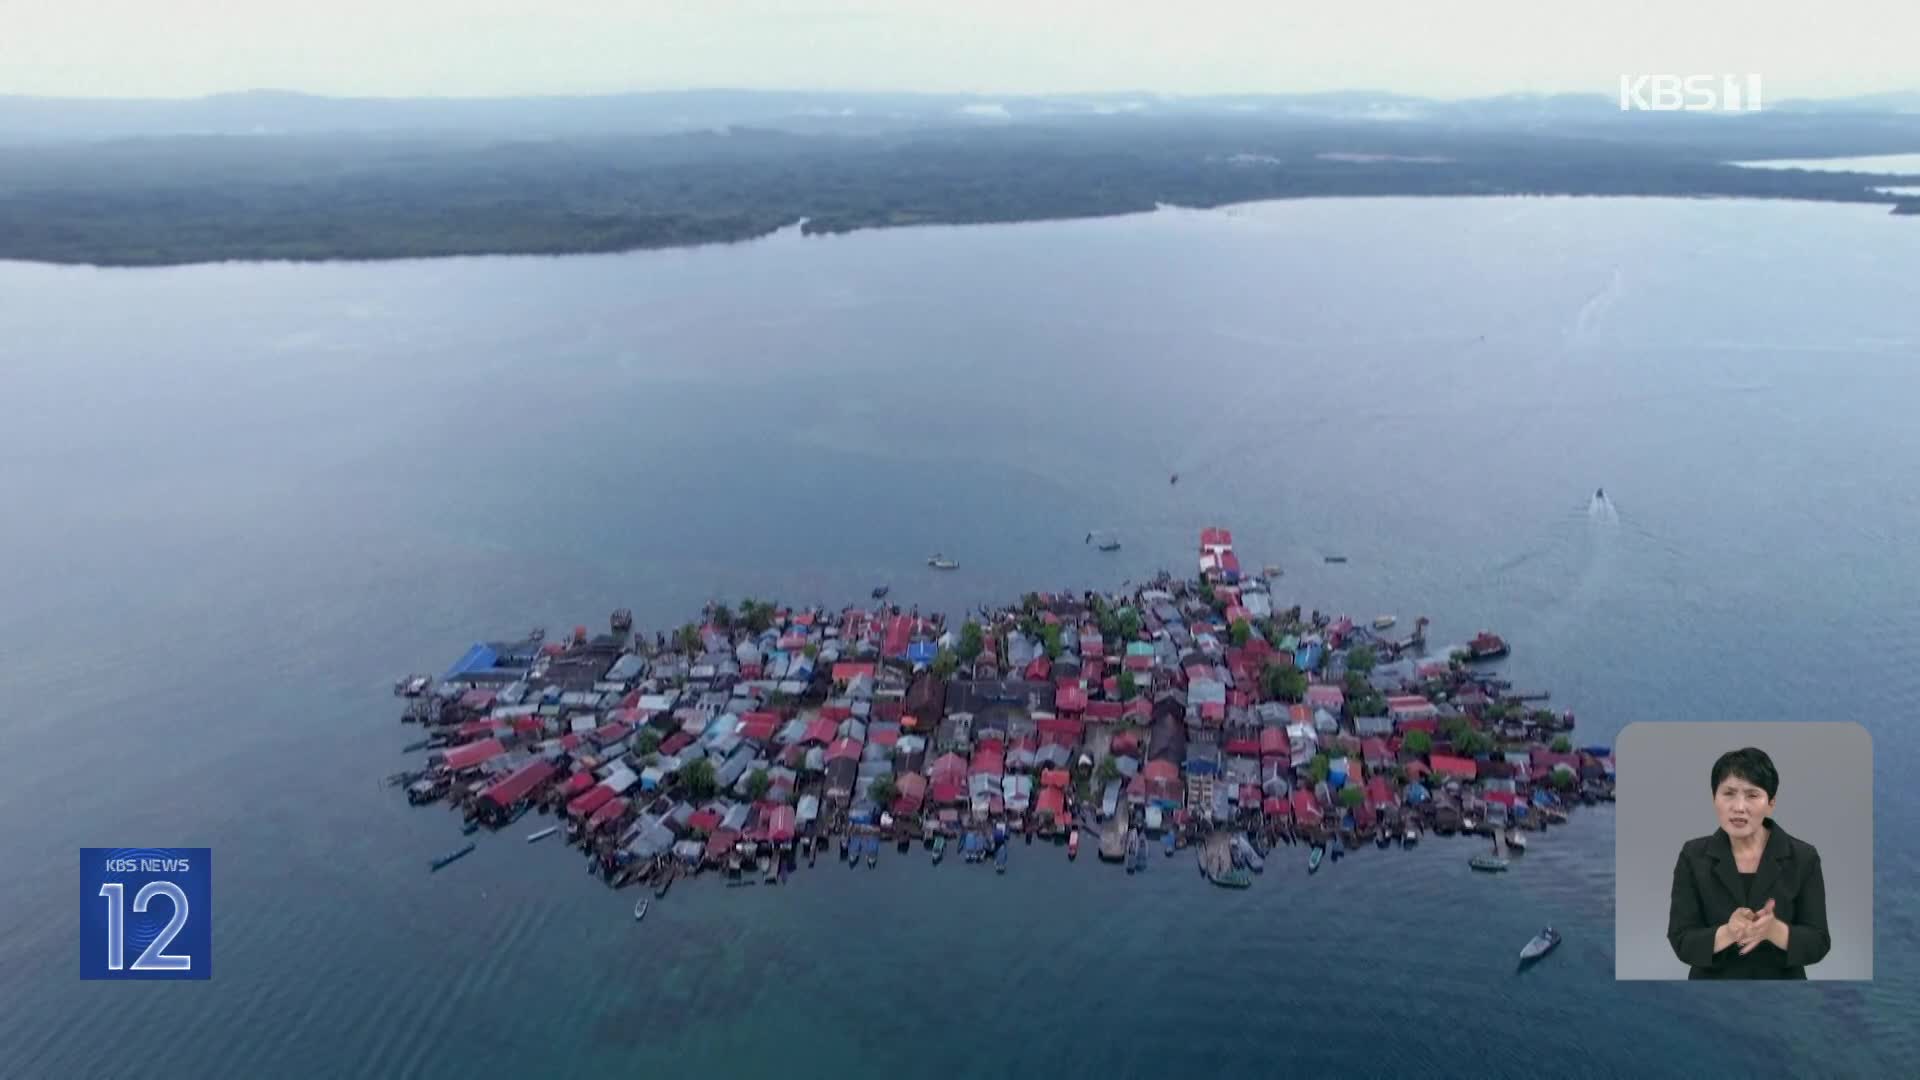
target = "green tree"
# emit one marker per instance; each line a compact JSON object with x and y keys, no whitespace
{"x":722,"y":616}
{"x":810,"y":650}
{"x":1351,"y":795}
{"x":1360,"y":658}
{"x":883,"y":791}
{"x":1562,"y":744}
{"x":755,"y":615}
{"x":1563,"y":778}
{"x":945,"y":663}
{"x":757,"y":784}
{"x":1284,"y":683}
{"x":1239,"y":633}
{"x":698,"y":779}
{"x":1319,"y":767}
{"x":1050,"y":634}
{"x":1129,"y":624}
{"x":647,"y":741}
{"x":972,"y":641}
{"x":1417,"y":742}
{"x":1128,"y":686}
{"x":1108,"y":772}
{"x":687,"y":639}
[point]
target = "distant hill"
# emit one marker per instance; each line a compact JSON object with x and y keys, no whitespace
{"x":270,"y":112}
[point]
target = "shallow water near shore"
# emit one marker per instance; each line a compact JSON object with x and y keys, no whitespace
{"x":242,"y":499}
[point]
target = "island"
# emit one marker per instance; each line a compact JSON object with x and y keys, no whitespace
{"x":1185,"y":714}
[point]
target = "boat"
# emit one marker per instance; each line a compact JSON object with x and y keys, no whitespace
{"x":939,"y":849}
{"x":873,"y":852}
{"x":879,"y":592}
{"x":666,"y":882}
{"x":1174,"y":479}
{"x":470,"y":828}
{"x":1600,"y":494}
{"x":1516,"y":843}
{"x":1383,"y":622}
{"x":845,"y":843}
{"x":1234,"y":878}
{"x":1073,"y":844}
{"x":412,"y":686}
{"x":1339,"y":849}
{"x":1488,"y":863}
{"x":941,"y":562}
{"x":1336,"y":558}
{"x":1486,"y":645}
{"x":543,"y":833}
{"x":640,"y":909}
{"x":1542,"y":944}
{"x":1410,"y":837}
{"x":1167,"y":842}
{"x":1383,"y":838}
{"x":1000,"y":860}
{"x":1245,"y":854}
{"x":452,"y":856}
{"x":1314,"y":858}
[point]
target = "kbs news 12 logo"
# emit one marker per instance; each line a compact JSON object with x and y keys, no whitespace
{"x":1690,"y":93}
{"x":146,"y":913}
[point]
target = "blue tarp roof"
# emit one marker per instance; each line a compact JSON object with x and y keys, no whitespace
{"x":922,"y":652}
{"x":478,"y":658}
{"x":1541,"y":798}
{"x":1307,"y":657}
{"x":1417,"y":793}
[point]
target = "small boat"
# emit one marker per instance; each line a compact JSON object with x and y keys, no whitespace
{"x":1487,"y":863}
{"x":1245,"y":854}
{"x":1000,"y":860}
{"x":1272,"y":571}
{"x":1600,"y":494}
{"x":1542,"y":944}
{"x":543,"y":833}
{"x":470,"y":828}
{"x":452,"y":856}
{"x":1410,"y":837}
{"x":412,"y":686}
{"x":879,"y":591}
{"x":1234,"y":878}
{"x":415,"y":747}
{"x":873,"y":852}
{"x":1339,"y":849}
{"x":666,"y":883}
{"x":1383,"y":622}
{"x":939,"y":849}
{"x":1314,"y":858}
{"x":1516,"y":843}
{"x":640,"y":910}
{"x":1383,"y":838}
{"x":1073,"y":844}
{"x":941,"y":562}
{"x":1167,"y":842}
{"x":1174,"y":479}
{"x":1336,"y":558}
{"x":845,"y":843}
{"x":1486,"y":645}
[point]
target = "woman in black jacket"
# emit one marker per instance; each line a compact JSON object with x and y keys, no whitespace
{"x":1748,"y":901}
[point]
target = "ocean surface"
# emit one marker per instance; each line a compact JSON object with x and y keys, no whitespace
{"x":241,"y":499}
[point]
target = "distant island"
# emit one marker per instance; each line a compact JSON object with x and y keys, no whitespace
{"x":507,"y":184}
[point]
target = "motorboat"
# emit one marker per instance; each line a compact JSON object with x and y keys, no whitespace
{"x":1542,"y":944}
{"x":941,"y":562}
{"x":1073,"y":844}
{"x":1410,"y":837}
{"x":1383,"y":622}
{"x":543,"y":833}
{"x":1336,"y":558}
{"x":879,"y":592}
{"x":1487,"y":863}
{"x":1314,"y":858}
{"x":640,"y":909}
{"x":1000,"y":860}
{"x":452,"y":856}
{"x":939,"y":849}
{"x":1516,"y":843}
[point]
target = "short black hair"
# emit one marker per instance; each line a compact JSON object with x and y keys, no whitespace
{"x":1750,"y":764}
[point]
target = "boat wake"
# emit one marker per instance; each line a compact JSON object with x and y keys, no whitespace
{"x":1600,"y":509}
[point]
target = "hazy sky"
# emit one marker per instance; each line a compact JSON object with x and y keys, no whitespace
{"x":1446,"y":48}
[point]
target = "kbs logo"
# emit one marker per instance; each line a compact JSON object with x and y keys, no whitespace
{"x":1690,"y":93}
{"x":146,"y":913}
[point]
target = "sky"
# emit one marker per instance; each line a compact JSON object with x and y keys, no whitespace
{"x":469,"y":48}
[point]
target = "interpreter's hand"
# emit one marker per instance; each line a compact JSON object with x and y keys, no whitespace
{"x":1757,"y":929}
